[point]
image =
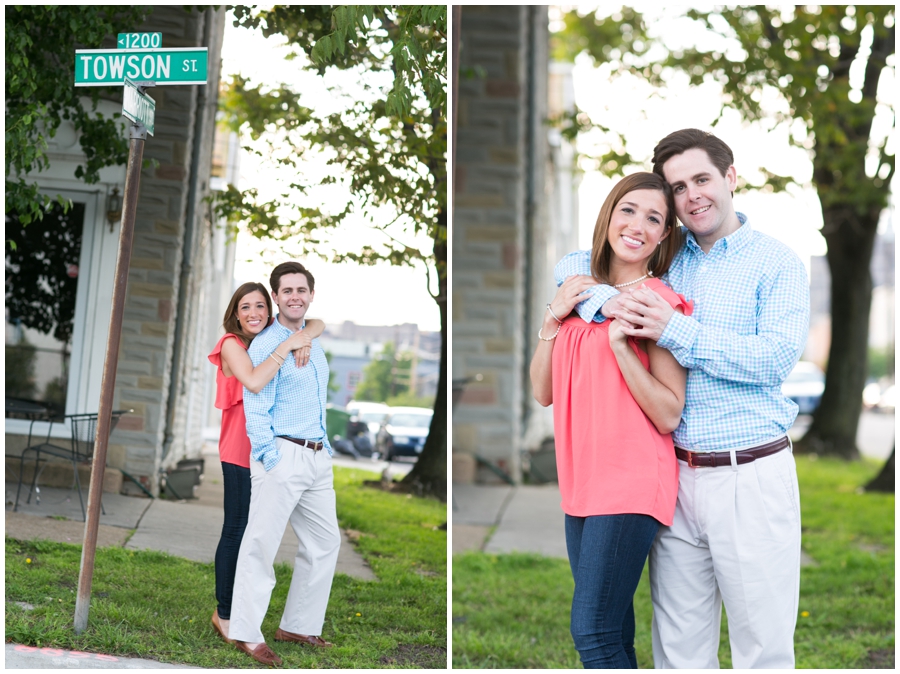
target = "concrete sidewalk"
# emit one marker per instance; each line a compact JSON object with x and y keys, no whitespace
{"x":187,"y":529}
{"x":525,"y":518}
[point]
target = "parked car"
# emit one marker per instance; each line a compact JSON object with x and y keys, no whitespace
{"x":880,"y":396}
{"x":403,"y":432}
{"x":804,"y":385}
{"x":365,"y":420}
{"x":888,"y":401}
{"x":871,"y":395}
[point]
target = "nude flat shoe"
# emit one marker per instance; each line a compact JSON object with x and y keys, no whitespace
{"x":218,"y":626}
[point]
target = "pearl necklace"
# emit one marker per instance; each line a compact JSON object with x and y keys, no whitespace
{"x":637,"y":280}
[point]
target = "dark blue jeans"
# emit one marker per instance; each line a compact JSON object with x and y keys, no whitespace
{"x":237,"y":508}
{"x":607,"y":555}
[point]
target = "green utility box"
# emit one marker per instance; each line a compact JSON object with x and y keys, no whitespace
{"x":336,"y":419}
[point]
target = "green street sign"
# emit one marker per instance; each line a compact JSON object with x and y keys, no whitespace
{"x":110,"y":67}
{"x":138,"y":106}
{"x":139,"y":41}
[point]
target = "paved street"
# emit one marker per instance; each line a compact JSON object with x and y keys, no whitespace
{"x":874,"y":437}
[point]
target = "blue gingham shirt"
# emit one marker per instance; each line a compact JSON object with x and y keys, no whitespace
{"x":748,"y":330}
{"x":292,"y":404}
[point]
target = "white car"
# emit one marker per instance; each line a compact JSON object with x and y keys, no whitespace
{"x":888,"y":401}
{"x":804,"y":385}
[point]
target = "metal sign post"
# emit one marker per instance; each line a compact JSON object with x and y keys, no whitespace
{"x":149,"y":64}
{"x":107,"y":387}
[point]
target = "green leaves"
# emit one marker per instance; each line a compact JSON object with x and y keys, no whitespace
{"x":389,"y":153}
{"x":40,"y":59}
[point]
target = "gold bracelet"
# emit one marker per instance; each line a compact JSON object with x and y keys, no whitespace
{"x":549,"y":339}
{"x":280,"y":362}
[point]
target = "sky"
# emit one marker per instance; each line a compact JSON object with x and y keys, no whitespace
{"x":379,"y":295}
{"x":794,"y":217}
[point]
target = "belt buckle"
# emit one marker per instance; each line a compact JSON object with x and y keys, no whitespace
{"x":690,"y":461}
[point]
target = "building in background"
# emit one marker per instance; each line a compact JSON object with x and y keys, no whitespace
{"x":351,"y":347}
{"x":515,"y":216}
{"x":181,"y":269}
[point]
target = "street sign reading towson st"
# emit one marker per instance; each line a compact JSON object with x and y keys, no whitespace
{"x":138,"y":106}
{"x":110,"y":67}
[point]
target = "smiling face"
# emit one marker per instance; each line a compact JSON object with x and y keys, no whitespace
{"x":637,"y":225}
{"x":703,"y":200}
{"x":293,"y":299}
{"x":252,"y":312}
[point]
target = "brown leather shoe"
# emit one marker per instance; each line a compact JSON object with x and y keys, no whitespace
{"x":218,"y":626}
{"x":318,"y":642}
{"x":262,"y":654}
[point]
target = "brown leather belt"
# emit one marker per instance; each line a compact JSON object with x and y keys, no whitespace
{"x":314,"y":446}
{"x":715,"y":459}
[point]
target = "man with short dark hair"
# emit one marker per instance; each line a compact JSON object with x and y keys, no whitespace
{"x":291,"y":480}
{"x":736,"y":531}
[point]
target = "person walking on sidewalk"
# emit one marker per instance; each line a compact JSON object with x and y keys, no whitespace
{"x":736,"y":531}
{"x":249,"y":312}
{"x":616,"y":399}
{"x":291,"y":480}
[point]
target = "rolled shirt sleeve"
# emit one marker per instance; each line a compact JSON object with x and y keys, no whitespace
{"x":579,"y":264}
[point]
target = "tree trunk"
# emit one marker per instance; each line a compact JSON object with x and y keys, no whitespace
{"x":429,"y":475}
{"x":884,"y":481}
{"x":851,"y":205}
{"x":850,"y":238}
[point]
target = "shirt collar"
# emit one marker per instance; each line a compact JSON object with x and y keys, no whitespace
{"x":731,"y":243}
{"x":282,"y":327}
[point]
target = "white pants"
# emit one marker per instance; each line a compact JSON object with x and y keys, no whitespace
{"x":735,"y":538}
{"x":300,"y":488}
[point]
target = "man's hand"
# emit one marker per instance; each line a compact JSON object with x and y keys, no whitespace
{"x":647,"y":312}
{"x":613,"y":307}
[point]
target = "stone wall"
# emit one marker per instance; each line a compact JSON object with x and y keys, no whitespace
{"x":159,"y":265}
{"x":515,"y":216}
{"x":501,"y":52}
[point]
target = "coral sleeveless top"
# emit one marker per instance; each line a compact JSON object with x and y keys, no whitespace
{"x":610,"y":458}
{"x":234,"y":445}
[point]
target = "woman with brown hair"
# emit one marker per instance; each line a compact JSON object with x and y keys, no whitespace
{"x":616,"y":401}
{"x":248,"y":313}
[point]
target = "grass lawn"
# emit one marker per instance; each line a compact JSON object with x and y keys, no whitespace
{"x":156,"y":606}
{"x":513,"y":610}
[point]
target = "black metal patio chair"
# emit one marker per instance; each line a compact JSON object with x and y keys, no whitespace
{"x":82,"y":431}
